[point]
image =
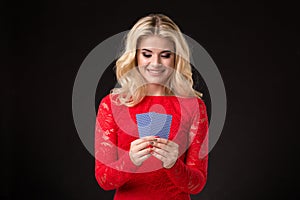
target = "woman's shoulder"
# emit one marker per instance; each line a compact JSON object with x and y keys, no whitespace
{"x":182,"y":99}
{"x":197,"y":99}
{"x":106,"y":98}
{"x":194,"y":105}
{"x":201,"y":101}
{"x":111,"y":98}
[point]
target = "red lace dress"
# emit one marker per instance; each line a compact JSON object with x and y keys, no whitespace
{"x":116,"y":128}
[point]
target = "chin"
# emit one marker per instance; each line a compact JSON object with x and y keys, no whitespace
{"x":158,"y":82}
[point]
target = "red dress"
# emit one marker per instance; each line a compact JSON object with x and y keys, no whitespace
{"x":116,"y":128}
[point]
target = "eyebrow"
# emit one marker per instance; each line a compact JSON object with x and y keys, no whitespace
{"x":164,"y":51}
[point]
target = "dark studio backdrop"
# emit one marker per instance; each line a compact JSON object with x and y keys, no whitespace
{"x":255,"y":46}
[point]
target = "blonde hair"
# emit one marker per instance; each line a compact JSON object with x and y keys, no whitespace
{"x":133,"y":86}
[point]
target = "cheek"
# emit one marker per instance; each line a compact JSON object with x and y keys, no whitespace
{"x":141,"y":60}
{"x":140,"y":63}
{"x":169,"y":63}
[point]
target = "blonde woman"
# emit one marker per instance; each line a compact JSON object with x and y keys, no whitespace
{"x":154,"y":75}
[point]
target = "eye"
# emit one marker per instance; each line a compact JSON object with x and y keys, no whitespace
{"x":166,"y":55}
{"x":147,"y":55}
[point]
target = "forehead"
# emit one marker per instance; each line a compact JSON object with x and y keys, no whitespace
{"x":156,"y":42}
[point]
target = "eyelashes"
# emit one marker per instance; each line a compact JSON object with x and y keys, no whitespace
{"x":146,"y":55}
{"x":168,"y":55}
{"x":165,"y":55}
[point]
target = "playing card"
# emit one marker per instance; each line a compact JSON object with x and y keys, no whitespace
{"x":144,"y":122}
{"x":153,"y":123}
{"x":160,"y":125}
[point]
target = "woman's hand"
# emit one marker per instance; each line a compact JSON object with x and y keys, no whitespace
{"x":140,"y":149}
{"x":166,"y":151}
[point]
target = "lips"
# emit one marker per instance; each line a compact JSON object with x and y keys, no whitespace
{"x":156,"y":71}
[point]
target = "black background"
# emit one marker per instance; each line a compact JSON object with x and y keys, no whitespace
{"x":254,"y":44}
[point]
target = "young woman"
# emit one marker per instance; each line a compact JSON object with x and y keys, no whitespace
{"x":155,"y":76}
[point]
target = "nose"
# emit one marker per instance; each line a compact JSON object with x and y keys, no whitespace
{"x":155,"y":60}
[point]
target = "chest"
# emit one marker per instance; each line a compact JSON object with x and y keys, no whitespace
{"x":128,"y":128}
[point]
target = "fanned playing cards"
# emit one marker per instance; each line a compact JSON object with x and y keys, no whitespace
{"x":153,"y":123}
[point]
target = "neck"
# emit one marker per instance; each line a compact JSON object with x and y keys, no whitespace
{"x":155,"y":90}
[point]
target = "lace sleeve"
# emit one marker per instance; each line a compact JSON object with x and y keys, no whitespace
{"x":111,"y":171}
{"x":191,"y":175}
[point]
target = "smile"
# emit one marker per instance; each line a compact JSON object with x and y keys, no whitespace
{"x":155,"y":71}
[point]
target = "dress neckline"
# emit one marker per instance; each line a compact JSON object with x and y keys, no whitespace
{"x":170,"y":96}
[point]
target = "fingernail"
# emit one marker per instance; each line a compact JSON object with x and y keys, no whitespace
{"x":155,"y":140}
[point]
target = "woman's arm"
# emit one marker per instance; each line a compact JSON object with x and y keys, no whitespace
{"x":191,"y":176}
{"x":111,"y":171}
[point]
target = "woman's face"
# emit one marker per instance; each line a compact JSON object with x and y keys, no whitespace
{"x":155,"y":59}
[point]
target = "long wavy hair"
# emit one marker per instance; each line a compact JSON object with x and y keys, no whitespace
{"x":133,"y":86}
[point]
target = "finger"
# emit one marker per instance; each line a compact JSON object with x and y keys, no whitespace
{"x":162,"y":146}
{"x":137,"y":142}
{"x":161,"y":140}
{"x":143,"y":139}
{"x":142,"y":146}
{"x":158,"y":156}
{"x":173,"y":144}
{"x":151,"y":137}
{"x":167,"y":142}
{"x":143,"y":152}
{"x":145,"y":157}
{"x":160,"y":152}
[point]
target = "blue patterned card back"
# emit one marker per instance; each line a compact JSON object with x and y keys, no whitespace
{"x":144,"y":122}
{"x":152,"y":123}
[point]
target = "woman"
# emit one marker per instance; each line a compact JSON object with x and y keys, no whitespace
{"x":155,"y":76}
